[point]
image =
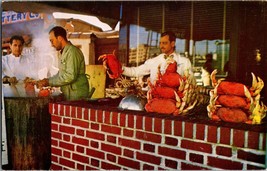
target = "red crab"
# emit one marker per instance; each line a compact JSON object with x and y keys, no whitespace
{"x":170,"y":93}
{"x":112,"y":65}
{"x":236,"y":102}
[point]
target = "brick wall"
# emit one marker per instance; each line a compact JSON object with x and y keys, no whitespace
{"x":85,"y":139}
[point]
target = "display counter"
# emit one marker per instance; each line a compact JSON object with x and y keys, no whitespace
{"x":94,"y":135}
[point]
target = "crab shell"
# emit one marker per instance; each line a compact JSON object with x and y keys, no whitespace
{"x":161,"y":105}
{"x":112,"y":64}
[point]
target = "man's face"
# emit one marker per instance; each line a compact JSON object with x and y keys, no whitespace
{"x":16,"y":47}
{"x":55,"y":42}
{"x":165,"y":45}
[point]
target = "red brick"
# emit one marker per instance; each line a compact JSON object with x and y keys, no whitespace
{"x":200,"y":132}
{"x":128,"y":132}
{"x":107,"y":117}
{"x":212,"y":134}
{"x":130,"y":123}
{"x":56,"y":167}
{"x":150,"y":158}
{"x":253,"y":140}
{"x":111,"y":139}
{"x":56,"y":151}
{"x":66,"y":154}
{"x":80,"y":141}
{"x":95,"y":162}
{"x":61,"y":110}
{"x":111,"y":149}
{"x":148,"y":124}
{"x":158,"y":125}
{"x":115,"y":118}
{"x":197,"y":146}
{"x":86,"y":114}
{"x":148,"y":137}
{"x":80,"y":132}
{"x":95,"y":135}
{"x":67,"y":111}
{"x":224,"y":151}
{"x":188,"y":130}
{"x":238,"y":138}
{"x":225,"y":135}
{"x":130,"y":143}
{"x":250,"y":156}
{"x":149,"y":147}
{"x":94,"y":126}
{"x":128,"y":153}
{"x":54,"y":142}
{"x":179,"y":154}
{"x":73,"y":113}
{"x":55,"y":109}
{"x":67,"y":163}
{"x":100,"y":116}
{"x":92,"y":115}
{"x":80,"y":112}
{"x":171,"y":163}
{"x":54,"y":159}
{"x":79,"y":149}
{"x":122,"y":120}
{"x":109,"y":166}
{"x":94,"y":144}
{"x":111,"y":129}
{"x":66,"y":138}
{"x":171,"y":141}
{"x":90,"y":168}
{"x":178,"y":128}
{"x":54,"y":126}
{"x":224,"y":164}
{"x":55,"y":118}
{"x":95,"y":153}
{"x":80,"y":123}
{"x":167,"y":126}
{"x":129,"y":163}
{"x":80,"y":158}
{"x":80,"y":166}
{"x":56,"y":135}
{"x":66,"y":129}
{"x":139,"y":122}
{"x":111,"y":158}
{"x":187,"y":166}
{"x":67,"y":146}
{"x":148,"y":167}
{"x":66,"y":121}
{"x":196,"y":158}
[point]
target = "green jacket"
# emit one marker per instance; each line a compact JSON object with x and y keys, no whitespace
{"x":71,"y":76}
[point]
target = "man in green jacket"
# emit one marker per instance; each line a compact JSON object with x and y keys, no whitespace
{"x":71,"y":75}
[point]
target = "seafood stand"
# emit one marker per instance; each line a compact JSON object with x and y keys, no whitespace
{"x":176,"y":123}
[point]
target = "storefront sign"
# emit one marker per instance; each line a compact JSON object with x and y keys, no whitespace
{"x":13,"y":17}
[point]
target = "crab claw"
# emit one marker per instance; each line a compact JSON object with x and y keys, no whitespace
{"x":213,"y":78}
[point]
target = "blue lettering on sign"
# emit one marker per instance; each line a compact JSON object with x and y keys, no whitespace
{"x":19,"y":16}
{"x":14,"y":17}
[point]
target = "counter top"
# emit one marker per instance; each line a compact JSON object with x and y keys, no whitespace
{"x":197,"y":115}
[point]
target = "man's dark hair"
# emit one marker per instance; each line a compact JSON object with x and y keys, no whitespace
{"x":59,"y":31}
{"x":171,"y":35}
{"x":17,"y":37}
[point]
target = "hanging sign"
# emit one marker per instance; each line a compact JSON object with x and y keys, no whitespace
{"x":11,"y":17}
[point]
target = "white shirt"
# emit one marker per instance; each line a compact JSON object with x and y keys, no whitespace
{"x":19,"y":67}
{"x":151,"y":67}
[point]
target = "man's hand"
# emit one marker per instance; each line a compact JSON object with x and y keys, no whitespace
{"x":42,"y":83}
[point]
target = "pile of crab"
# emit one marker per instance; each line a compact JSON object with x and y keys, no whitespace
{"x":236,"y":102}
{"x":173,"y":93}
{"x":170,"y":94}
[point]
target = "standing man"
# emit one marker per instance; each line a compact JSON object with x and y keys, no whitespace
{"x":71,"y":75}
{"x":167,"y":47}
{"x":16,"y":64}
